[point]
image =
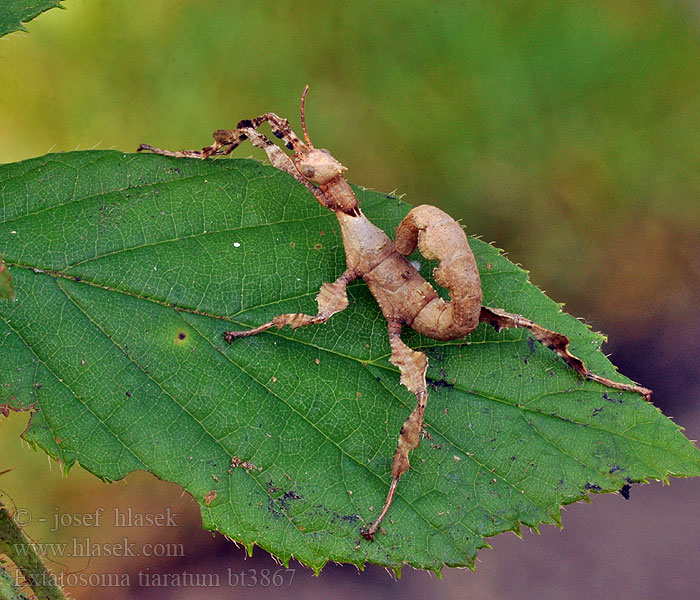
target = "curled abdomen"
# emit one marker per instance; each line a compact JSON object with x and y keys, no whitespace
{"x":439,"y":236}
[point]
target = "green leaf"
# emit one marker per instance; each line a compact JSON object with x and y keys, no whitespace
{"x":15,"y":545}
{"x":129,"y":267}
{"x":15,"y":12}
{"x":7,"y":290}
{"x":9,"y":590}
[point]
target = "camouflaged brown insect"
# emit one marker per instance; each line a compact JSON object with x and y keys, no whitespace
{"x":404,"y":296}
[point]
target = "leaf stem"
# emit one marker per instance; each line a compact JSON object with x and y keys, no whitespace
{"x":18,"y":548}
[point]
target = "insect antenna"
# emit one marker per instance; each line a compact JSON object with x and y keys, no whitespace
{"x":303,"y":118}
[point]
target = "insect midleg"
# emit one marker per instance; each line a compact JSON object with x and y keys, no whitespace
{"x":332,"y":298}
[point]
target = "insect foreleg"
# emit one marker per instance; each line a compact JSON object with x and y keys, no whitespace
{"x":332,"y":298}
{"x":174,"y":154}
{"x":280,"y":160}
{"x":227,"y":140}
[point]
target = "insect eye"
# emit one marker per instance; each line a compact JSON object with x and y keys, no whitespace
{"x":308,"y":171}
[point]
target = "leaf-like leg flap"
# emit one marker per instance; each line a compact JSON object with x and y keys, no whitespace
{"x":557,"y":342}
{"x":412,"y":365}
{"x":332,"y":298}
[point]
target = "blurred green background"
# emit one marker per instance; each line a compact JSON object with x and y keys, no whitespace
{"x":566,"y":132}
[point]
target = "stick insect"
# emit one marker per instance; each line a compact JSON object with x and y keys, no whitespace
{"x":405,"y":298}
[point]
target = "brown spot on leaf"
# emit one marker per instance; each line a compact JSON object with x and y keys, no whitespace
{"x":243,"y":464}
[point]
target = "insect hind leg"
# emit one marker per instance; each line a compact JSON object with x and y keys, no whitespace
{"x":558,"y":343}
{"x":412,"y":365}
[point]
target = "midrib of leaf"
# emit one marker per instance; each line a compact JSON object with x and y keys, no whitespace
{"x":228,"y":451}
{"x":380,"y":362}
